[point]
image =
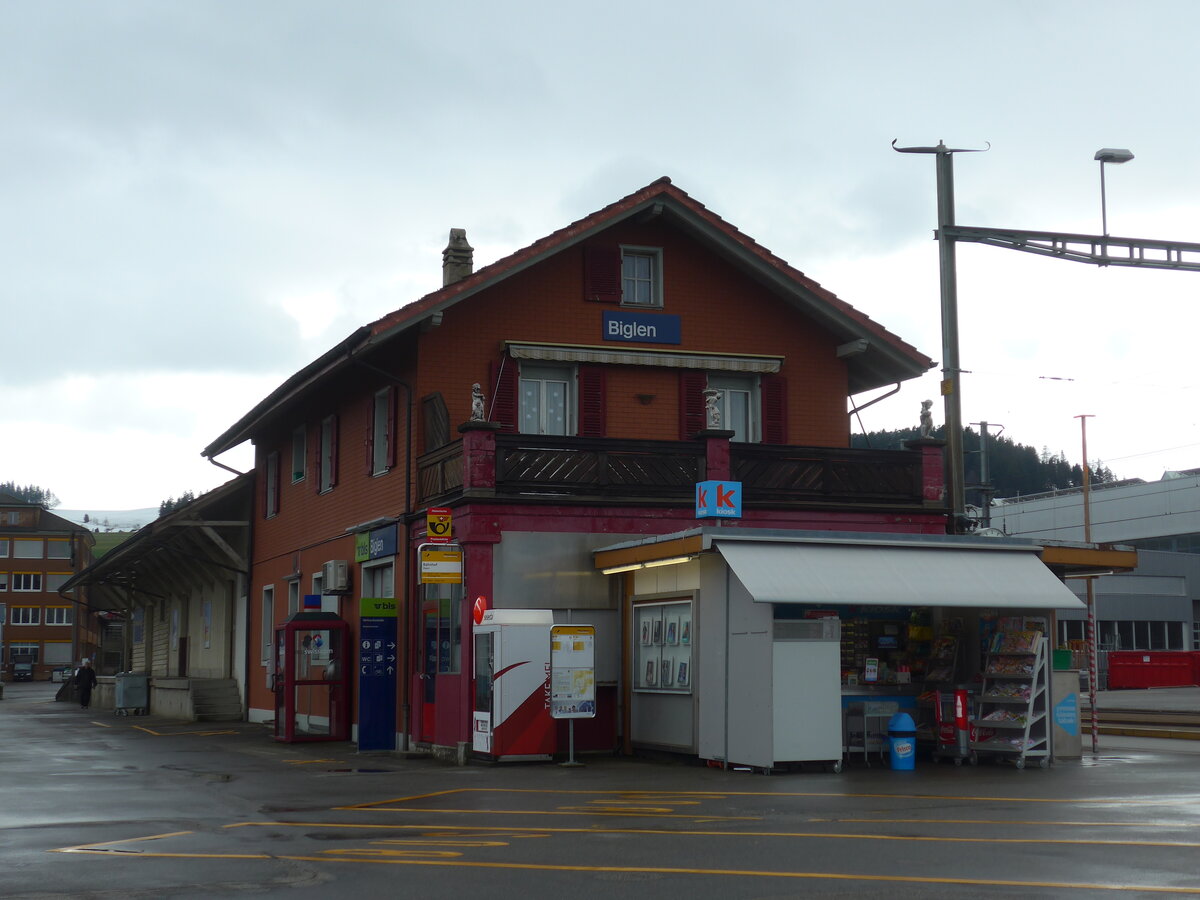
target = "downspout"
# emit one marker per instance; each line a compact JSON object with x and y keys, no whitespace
{"x":858,"y":409}
{"x":406,"y":637}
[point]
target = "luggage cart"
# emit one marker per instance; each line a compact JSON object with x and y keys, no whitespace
{"x":953,"y":711}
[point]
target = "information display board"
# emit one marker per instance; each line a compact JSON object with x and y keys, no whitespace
{"x":377,"y":667}
{"x":573,"y":671}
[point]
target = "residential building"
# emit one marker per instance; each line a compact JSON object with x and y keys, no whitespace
{"x":39,"y":552}
{"x":562,"y":399}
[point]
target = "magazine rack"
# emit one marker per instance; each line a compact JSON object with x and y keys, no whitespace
{"x":1011,"y":722}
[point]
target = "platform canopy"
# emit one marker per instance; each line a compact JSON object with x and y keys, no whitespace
{"x":881,"y":575}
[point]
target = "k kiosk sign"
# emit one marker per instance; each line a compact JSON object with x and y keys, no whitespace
{"x":718,"y":500}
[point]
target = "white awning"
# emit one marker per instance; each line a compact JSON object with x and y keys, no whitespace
{"x":616,"y":355}
{"x":877,"y":575}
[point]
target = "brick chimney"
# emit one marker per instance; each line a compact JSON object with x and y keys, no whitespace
{"x":458,"y":259}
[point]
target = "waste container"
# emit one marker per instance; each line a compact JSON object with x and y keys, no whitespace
{"x":902,"y":742}
{"x":133,"y":693}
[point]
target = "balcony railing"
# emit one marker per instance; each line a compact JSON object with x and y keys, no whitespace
{"x":791,"y":474}
{"x":583,"y":469}
{"x":594,"y":467}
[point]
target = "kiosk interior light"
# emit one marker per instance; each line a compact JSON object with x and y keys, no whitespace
{"x":650,"y":564}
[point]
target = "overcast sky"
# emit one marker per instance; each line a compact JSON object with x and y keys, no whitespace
{"x":201,"y":197}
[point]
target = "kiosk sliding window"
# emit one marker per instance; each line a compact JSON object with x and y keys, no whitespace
{"x":663,"y":647}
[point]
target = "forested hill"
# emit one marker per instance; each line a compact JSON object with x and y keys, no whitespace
{"x":1015,"y":469}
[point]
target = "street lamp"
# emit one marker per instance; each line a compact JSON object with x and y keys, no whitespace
{"x":1108,"y":155}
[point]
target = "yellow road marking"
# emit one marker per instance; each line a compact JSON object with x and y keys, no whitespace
{"x":721,"y":795}
{"x":743,"y":873}
{"x":310,"y":762}
{"x":547,"y":830}
{"x":1012,"y":822}
{"x":177,"y":733}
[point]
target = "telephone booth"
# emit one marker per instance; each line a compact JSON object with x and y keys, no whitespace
{"x":312,"y":699}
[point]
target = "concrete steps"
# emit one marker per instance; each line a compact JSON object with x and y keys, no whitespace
{"x":216,"y":700}
{"x":1174,"y":725}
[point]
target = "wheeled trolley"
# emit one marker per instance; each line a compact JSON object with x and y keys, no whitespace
{"x":954,"y":711}
{"x":133,"y":693}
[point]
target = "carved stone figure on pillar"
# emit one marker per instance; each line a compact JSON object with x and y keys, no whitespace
{"x":476,"y":403}
{"x":712,"y":412}
{"x":926,"y":418}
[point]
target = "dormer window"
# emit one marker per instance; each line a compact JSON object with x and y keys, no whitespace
{"x":641,"y":277}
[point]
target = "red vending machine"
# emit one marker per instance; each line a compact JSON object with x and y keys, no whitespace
{"x":512,"y":718}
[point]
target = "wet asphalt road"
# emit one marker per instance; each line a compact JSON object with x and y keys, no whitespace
{"x":93,"y":806}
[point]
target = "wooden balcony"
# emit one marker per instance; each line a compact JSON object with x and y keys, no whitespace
{"x":579,"y":470}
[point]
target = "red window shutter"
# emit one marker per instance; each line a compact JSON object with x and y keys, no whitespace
{"x":316,"y":457}
{"x":602,"y":273}
{"x":333,"y":451}
{"x":503,"y":402}
{"x":369,"y":436}
{"x":391,"y":428}
{"x":592,"y":401}
{"x":691,"y":403}
{"x":773,"y":390}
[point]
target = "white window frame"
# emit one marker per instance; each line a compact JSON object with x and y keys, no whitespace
{"x":58,"y":543}
{"x":24,"y":615}
{"x":293,"y":586}
{"x":299,"y":453}
{"x":3,"y":581}
{"x":59,"y":615}
{"x":32,"y":579}
{"x":535,"y":377}
{"x":271,"y":495}
{"x":381,"y":437}
{"x":652,"y":282}
{"x":328,"y":425}
{"x":25,"y":648}
{"x":23,"y":548}
{"x":372,"y":572}
{"x":268,"y":623}
{"x":747,"y":386}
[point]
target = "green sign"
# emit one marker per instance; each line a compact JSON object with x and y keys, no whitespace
{"x":377,"y":608}
{"x":362,"y":546}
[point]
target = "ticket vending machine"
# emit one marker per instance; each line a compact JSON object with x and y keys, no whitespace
{"x":511,"y":720}
{"x":310,"y":678}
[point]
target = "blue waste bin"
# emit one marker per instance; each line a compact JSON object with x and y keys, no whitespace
{"x":902,"y":742}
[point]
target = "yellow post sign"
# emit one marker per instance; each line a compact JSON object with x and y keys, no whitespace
{"x":439,"y":525}
{"x":441,"y":566}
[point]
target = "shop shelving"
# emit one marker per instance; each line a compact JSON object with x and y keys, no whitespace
{"x":1012,"y":711}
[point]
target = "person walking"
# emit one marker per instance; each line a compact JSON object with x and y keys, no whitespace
{"x":85,"y":680}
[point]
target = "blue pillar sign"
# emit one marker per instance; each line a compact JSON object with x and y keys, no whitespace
{"x":378,"y":664}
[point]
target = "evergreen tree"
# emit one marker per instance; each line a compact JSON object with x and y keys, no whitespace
{"x":31,"y":494}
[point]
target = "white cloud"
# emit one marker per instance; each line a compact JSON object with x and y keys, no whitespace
{"x":200,"y":198}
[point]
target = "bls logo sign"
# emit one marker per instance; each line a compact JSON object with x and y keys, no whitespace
{"x":719,"y":499}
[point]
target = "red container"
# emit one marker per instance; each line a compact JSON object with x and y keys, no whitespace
{"x":1151,"y":668}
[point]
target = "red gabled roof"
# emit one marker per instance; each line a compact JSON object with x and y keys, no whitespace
{"x":887,"y":360}
{"x":658,"y":190}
